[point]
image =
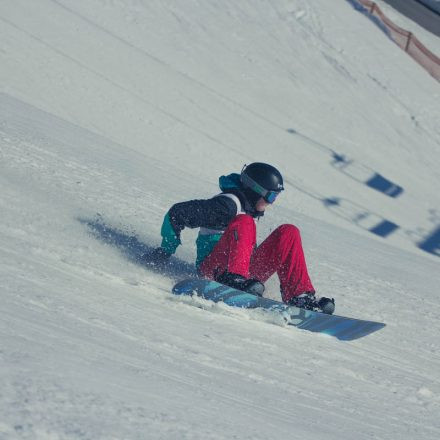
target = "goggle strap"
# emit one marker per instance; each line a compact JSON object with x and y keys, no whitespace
{"x":254,"y":186}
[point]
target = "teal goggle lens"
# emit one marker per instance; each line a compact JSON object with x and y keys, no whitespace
{"x":271,"y":196}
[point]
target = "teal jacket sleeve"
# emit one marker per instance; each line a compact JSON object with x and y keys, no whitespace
{"x":170,"y":240}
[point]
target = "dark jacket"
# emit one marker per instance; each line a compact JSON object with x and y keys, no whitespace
{"x":211,"y":215}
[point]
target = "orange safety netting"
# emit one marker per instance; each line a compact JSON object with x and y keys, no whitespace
{"x":406,"y":40}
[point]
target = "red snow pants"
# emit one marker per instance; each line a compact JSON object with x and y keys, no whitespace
{"x":281,"y":252}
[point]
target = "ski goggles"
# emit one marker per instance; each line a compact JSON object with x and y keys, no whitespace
{"x":268,"y":196}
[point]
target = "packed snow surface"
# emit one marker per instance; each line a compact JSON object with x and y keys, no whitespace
{"x":110,"y":112}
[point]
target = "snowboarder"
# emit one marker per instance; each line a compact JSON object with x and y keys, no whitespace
{"x":226,"y":244}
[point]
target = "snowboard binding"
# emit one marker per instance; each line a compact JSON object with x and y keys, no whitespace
{"x":308,"y":301}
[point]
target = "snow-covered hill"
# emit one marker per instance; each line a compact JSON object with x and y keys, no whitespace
{"x":111,"y":111}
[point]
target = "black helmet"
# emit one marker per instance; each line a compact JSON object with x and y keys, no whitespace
{"x":263,"y":179}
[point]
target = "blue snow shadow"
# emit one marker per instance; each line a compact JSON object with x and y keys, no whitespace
{"x":363,"y":10}
{"x":432,"y":243}
{"x":361,"y":217}
{"x":356,"y":171}
{"x":375,"y":223}
{"x":366,"y":175}
{"x":135,"y":250}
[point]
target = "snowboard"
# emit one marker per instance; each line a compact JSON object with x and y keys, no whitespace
{"x":341,"y":327}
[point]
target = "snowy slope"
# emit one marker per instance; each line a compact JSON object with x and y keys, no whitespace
{"x":112,"y":111}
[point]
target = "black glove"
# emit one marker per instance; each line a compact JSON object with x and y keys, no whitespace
{"x":156,"y":258}
{"x":249,"y":285}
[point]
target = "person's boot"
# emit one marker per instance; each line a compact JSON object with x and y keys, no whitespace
{"x":249,"y":285}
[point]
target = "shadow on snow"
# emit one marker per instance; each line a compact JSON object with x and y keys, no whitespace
{"x":360,"y":215}
{"x":135,"y":250}
{"x":358,"y":172}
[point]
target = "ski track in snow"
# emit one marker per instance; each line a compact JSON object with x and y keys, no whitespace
{"x":110,"y":112}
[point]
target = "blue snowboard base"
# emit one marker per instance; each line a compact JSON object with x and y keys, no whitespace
{"x":345,"y":329}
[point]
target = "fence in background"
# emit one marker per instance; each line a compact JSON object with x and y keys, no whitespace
{"x":406,"y":40}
